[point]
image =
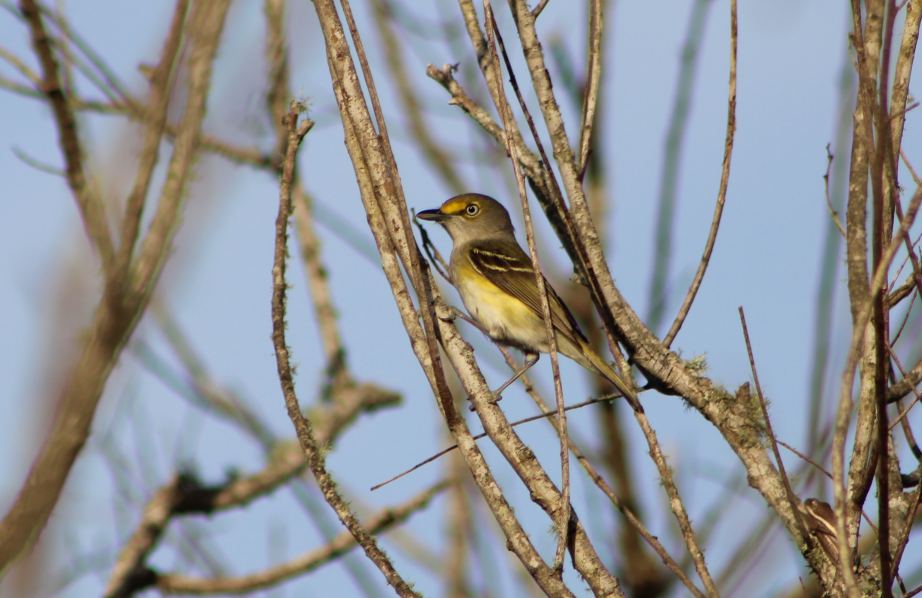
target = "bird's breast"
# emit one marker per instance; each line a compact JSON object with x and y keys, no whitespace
{"x":506,"y":319}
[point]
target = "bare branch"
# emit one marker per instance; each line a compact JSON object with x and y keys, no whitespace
{"x":114,"y":320}
{"x":315,"y":458}
{"x":721,"y":193}
{"x":91,"y":208}
{"x":562,"y":518}
{"x":344,"y":542}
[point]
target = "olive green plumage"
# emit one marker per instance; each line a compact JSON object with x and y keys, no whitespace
{"x":496,"y":281}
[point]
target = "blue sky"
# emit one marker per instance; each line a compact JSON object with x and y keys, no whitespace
{"x":217,"y":282}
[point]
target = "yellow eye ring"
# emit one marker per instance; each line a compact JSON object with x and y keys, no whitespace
{"x":472,"y":209}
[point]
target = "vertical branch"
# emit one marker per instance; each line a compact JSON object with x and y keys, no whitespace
{"x":830,"y":262}
{"x":792,"y":498}
{"x":884,"y":201}
{"x":593,"y":76}
{"x":431,"y":150}
{"x":903,"y":71}
{"x":563,"y":517}
{"x":315,"y":458}
{"x":90,"y":205}
{"x":866,"y":42}
{"x":337,"y":374}
{"x":155,"y":119}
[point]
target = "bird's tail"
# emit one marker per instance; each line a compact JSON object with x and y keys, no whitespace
{"x":603,"y":368}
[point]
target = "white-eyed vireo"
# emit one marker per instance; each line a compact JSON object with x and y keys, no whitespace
{"x":497,"y":285}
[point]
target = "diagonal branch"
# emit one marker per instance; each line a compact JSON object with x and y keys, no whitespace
{"x":91,"y":208}
{"x":114,"y":320}
{"x":343,"y":543}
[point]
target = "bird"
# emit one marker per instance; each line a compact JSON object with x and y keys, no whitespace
{"x":496,"y":281}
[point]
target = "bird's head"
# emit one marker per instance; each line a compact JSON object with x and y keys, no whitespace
{"x":471,"y":216}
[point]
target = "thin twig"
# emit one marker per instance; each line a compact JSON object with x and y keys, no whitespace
{"x":381,"y":522}
{"x":155,"y":117}
{"x":600,"y":482}
{"x":721,"y":193}
{"x":315,"y":458}
{"x":94,"y":218}
{"x":563,"y":519}
{"x":792,"y":498}
{"x":483,"y":435}
{"x":672,"y":158}
{"x":591,"y":92}
{"x":832,"y":212}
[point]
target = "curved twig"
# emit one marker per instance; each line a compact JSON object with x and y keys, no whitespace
{"x":721,"y":193}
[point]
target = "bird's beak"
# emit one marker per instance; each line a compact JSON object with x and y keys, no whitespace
{"x":434,"y":215}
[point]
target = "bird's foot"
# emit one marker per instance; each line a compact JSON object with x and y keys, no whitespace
{"x":495,"y":398}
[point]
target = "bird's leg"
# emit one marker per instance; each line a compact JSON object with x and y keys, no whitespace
{"x":530,"y":360}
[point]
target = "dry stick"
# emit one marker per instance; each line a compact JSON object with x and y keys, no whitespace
{"x":902,"y":72}
{"x":156,"y":246}
{"x":910,"y":437}
{"x":792,"y":498}
{"x":721,"y":193}
{"x":832,"y":212}
{"x":90,"y":205}
{"x":431,"y":150}
{"x":539,"y":9}
{"x":600,"y":482}
{"x":673,"y":149}
{"x":21,"y":66}
{"x":591,"y":93}
{"x":381,"y":522}
{"x":563,"y":518}
{"x":155,"y":117}
{"x":113,"y":321}
{"x":844,"y":408}
{"x":563,"y":156}
{"x":881,"y":320}
{"x":912,"y":170}
{"x":363,"y":145}
{"x":484,"y":435}
{"x":903,"y":538}
{"x":337,"y":375}
{"x":903,"y":412}
{"x":126,"y":574}
{"x":847,"y":503}
{"x":315,"y":458}
{"x":111,"y":81}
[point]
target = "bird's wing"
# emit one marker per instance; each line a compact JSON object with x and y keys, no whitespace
{"x":510,"y":269}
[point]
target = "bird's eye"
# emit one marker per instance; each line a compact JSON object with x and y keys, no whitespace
{"x":472,"y":210}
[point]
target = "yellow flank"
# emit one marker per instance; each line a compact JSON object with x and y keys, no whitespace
{"x":501,"y":314}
